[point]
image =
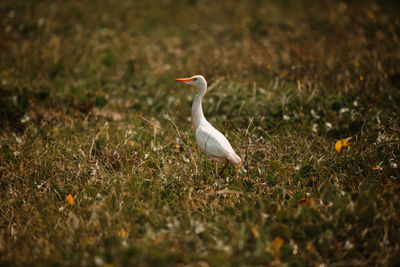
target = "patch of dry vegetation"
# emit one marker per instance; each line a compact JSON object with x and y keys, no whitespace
{"x":98,"y":162}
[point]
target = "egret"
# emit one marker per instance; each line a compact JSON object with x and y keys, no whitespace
{"x":212,"y":142}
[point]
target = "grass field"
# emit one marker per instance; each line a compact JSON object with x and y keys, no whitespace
{"x":98,"y":160}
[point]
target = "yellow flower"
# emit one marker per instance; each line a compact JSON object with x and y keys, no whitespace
{"x":342,"y":143}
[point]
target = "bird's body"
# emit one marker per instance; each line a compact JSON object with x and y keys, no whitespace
{"x":215,"y":145}
{"x":212,"y":142}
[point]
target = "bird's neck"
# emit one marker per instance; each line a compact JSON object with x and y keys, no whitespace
{"x":197,"y":109}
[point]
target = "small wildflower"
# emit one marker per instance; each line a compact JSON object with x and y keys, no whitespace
{"x":361,"y":78}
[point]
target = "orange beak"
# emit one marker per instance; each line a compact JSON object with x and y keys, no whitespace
{"x":183,"y":80}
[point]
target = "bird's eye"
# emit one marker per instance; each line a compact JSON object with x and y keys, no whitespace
{"x":194,"y":79}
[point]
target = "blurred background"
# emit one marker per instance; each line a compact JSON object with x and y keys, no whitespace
{"x":60,"y":48}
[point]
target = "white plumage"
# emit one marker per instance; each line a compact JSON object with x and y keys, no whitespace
{"x":212,"y":142}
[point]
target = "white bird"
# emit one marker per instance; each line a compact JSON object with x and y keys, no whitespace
{"x":212,"y":142}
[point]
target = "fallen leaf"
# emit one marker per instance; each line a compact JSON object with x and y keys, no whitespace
{"x":159,"y":238}
{"x":309,"y":246}
{"x":69,"y":200}
{"x":255,"y":232}
{"x":371,"y":15}
{"x":89,"y":240}
{"x":377,"y":168}
{"x":304,"y":200}
{"x":342,"y":143}
{"x":277,"y":244}
{"x":122,"y":233}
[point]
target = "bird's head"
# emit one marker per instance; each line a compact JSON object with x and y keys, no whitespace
{"x":197,"y":81}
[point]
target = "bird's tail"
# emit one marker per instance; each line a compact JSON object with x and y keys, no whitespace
{"x":235,"y":160}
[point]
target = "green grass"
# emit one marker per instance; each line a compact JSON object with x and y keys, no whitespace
{"x":88,"y":107}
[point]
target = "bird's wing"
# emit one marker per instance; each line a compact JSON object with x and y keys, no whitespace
{"x":212,"y":142}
